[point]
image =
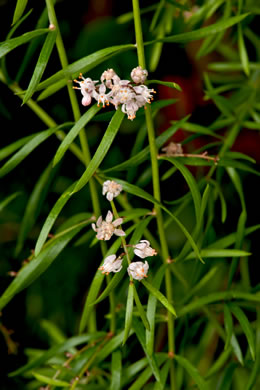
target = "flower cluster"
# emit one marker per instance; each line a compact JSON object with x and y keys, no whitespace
{"x":105,"y":230}
{"x":137,"y":270}
{"x":131,"y":96}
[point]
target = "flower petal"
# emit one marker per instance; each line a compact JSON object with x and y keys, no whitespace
{"x":102,"y":88}
{"x":139,"y":253}
{"x":100,"y":236}
{"x":86,"y":100}
{"x":99,"y":221}
{"x":109,"y":216}
{"x":109,"y":259}
{"x":110,"y":196}
{"x":117,"y":222}
{"x":117,"y":266}
{"x":119,"y":232}
{"x":140,"y":246}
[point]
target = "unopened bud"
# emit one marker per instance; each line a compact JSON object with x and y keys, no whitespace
{"x":139,"y":75}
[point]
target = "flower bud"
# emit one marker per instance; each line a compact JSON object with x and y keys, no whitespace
{"x":139,"y":75}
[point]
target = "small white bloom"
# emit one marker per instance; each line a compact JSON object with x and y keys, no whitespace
{"x":130,"y":109}
{"x":143,"y":249}
{"x":139,"y":75}
{"x":87,"y":86}
{"x":138,"y":270}
{"x":112,"y":189}
{"x":144,"y":94}
{"x":111,"y":265}
{"x":106,"y":229}
{"x":101,"y":96}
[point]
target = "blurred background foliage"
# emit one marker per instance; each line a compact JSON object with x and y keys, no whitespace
{"x":58,"y":295}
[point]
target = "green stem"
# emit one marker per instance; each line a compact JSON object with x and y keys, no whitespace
{"x":112,"y":306}
{"x":156,"y":187}
{"x":88,"y":364}
{"x":122,"y":238}
{"x":124,"y":203}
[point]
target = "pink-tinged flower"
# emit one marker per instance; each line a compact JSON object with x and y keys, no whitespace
{"x":86,"y":100}
{"x":107,"y":75}
{"x":112,"y":189}
{"x":106,"y":229}
{"x":139,"y":75}
{"x":87,"y":86}
{"x":138,"y":270}
{"x":143,"y":249}
{"x":111,"y":265}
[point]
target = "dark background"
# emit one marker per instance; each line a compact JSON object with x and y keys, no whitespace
{"x":59,"y":294}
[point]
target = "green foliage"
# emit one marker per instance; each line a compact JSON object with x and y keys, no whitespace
{"x":172,"y":302}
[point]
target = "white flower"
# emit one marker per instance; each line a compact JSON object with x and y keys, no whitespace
{"x":112,"y":189}
{"x":143,"y":249}
{"x":130,"y":109}
{"x":101,"y":96}
{"x":111,"y":265}
{"x":139,"y":75}
{"x":106,"y":229}
{"x":138,"y":270}
{"x":87,"y":86}
{"x":144,"y":94}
